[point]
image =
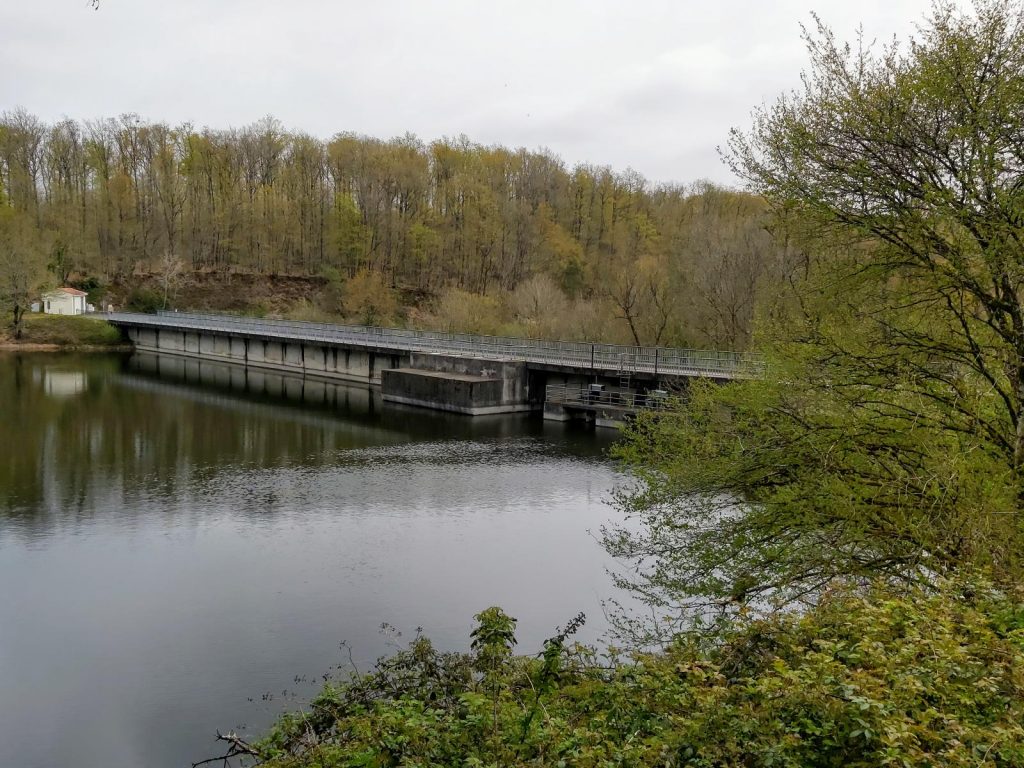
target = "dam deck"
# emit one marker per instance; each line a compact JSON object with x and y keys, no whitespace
{"x":461,"y":372}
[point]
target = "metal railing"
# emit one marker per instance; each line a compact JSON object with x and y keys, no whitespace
{"x":659,"y":361}
{"x":588,"y":396}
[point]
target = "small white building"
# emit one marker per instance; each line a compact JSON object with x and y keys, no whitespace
{"x":64,"y":301}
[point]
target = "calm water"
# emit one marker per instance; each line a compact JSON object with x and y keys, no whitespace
{"x":181,"y":544}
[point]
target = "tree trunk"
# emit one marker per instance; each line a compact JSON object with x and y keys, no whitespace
{"x":1018,"y":446}
{"x":19,"y":312}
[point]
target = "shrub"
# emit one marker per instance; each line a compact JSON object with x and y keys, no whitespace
{"x":540,"y":306}
{"x":460,"y":311}
{"x":93,"y":287}
{"x":867,"y":677}
{"x":369,"y":300}
{"x":144,"y":300}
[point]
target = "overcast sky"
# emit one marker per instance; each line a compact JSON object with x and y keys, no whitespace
{"x":652,"y":85}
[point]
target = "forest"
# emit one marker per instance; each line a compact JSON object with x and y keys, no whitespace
{"x":447,"y":234}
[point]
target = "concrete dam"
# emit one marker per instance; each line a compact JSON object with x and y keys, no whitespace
{"x":463,"y":373}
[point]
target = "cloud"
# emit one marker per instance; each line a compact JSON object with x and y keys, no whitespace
{"x":654,"y":84}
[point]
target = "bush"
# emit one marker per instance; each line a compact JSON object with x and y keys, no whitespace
{"x":868,"y":677}
{"x":460,"y":311}
{"x":369,"y":300}
{"x":539,"y":305}
{"x":308,"y":312}
{"x":144,"y":300}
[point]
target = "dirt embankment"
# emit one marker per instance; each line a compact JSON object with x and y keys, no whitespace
{"x":223,"y":292}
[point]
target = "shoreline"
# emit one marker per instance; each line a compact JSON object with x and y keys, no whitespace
{"x":30,"y":346}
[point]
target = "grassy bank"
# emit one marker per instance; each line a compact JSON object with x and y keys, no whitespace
{"x":866,"y":678}
{"x":62,"y":331}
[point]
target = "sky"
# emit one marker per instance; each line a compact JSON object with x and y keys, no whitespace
{"x":652,"y":85}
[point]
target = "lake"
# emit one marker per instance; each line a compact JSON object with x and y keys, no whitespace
{"x":184,"y":546}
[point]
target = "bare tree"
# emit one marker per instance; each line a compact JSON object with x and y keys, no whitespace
{"x":170,"y":272}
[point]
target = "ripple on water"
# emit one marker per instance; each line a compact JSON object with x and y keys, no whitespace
{"x":171,"y":550}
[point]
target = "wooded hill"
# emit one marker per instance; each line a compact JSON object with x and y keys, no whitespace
{"x":494,"y":239}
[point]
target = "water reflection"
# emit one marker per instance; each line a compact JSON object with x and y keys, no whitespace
{"x":143,"y":425}
{"x":177,"y":536}
{"x":63,"y":383}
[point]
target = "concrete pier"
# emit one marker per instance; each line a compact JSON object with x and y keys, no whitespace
{"x":456,"y":392}
{"x":461,"y":384}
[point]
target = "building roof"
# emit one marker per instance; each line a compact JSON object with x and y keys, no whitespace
{"x":68,"y":291}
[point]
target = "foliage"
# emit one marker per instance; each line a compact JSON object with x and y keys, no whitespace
{"x":96,"y":291}
{"x":369,"y":300}
{"x":22,"y":266}
{"x":537,"y":308}
{"x":911,"y":162}
{"x":761,"y":492}
{"x":144,"y":300}
{"x":493,"y":638}
{"x":306,"y":311}
{"x":115,"y":194}
{"x":887,"y":436}
{"x":59,"y":265}
{"x":539,"y":305}
{"x":460,"y":311}
{"x":865,"y":678}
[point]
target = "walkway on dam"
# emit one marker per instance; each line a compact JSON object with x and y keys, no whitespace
{"x":583,"y":357}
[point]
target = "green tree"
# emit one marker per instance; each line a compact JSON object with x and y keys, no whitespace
{"x":22,"y":266}
{"x":60,"y":263}
{"x":888,"y":434}
{"x":913,"y":163}
{"x":369,"y":299}
{"x":350,"y":235}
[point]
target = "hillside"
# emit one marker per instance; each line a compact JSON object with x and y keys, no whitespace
{"x":444,"y":233}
